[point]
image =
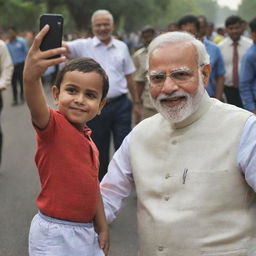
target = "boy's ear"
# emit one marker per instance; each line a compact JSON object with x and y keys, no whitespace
{"x":102,"y":104}
{"x":55,"y":94}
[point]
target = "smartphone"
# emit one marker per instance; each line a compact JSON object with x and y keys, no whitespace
{"x":53,"y":39}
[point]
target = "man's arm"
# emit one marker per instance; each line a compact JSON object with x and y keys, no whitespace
{"x":246,"y":158}
{"x":117,"y":184}
{"x":219,"y":80}
{"x":220,"y":75}
{"x":247,"y":76}
{"x":135,"y":98}
{"x":6,"y":66}
{"x":35,"y":65}
{"x":139,"y":76}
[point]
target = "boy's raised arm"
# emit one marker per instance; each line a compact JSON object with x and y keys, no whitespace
{"x":35,"y":65}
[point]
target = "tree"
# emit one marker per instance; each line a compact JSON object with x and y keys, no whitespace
{"x":247,"y":9}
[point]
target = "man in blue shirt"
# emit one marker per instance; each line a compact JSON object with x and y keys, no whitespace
{"x":248,"y":73}
{"x":197,"y":27}
{"x":18,"y":51}
{"x":216,"y":81}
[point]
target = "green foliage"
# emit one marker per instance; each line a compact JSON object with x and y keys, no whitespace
{"x":129,"y":15}
{"x":247,"y":9}
{"x":179,"y":8}
{"x":19,"y":14}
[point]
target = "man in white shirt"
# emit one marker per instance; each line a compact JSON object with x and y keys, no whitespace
{"x":6,"y":71}
{"x":113,"y":55}
{"x":193,"y":164}
{"x":233,"y":48}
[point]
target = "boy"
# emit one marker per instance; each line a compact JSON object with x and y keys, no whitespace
{"x":66,"y":157}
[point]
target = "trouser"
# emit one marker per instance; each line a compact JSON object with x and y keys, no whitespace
{"x":233,"y":96}
{"x":115,"y":119}
{"x":54,"y":237}
{"x":17,"y":78}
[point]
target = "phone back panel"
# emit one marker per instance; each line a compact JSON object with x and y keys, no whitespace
{"x":53,"y":39}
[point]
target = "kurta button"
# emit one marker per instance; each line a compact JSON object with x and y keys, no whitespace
{"x":160,"y":248}
{"x":167,"y":176}
{"x":174,"y":142}
{"x":166,"y":198}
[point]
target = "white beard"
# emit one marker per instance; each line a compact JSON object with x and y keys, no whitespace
{"x":179,"y":113}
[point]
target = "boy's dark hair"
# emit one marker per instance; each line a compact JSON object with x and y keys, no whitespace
{"x":188,"y":19}
{"x":252,"y":25}
{"x":233,"y":19}
{"x":84,"y":65}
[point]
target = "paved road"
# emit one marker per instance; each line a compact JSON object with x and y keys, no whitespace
{"x":19,"y":185}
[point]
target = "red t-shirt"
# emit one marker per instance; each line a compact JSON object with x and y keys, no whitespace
{"x":67,"y":162}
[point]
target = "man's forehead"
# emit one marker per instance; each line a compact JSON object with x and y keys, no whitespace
{"x":182,"y":45}
{"x":179,"y":50}
{"x":99,"y":18}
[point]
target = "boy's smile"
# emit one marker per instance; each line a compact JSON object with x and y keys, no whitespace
{"x":79,"y":97}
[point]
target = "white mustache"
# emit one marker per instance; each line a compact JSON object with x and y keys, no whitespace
{"x":172,"y":95}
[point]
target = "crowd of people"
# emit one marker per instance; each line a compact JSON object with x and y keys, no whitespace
{"x":190,"y":155}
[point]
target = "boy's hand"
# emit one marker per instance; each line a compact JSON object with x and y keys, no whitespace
{"x":104,"y":241}
{"x":37,"y":62}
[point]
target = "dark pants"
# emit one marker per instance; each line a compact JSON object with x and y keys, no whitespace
{"x":233,"y":96}
{"x":114,"y":120}
{"x":17,"y":78}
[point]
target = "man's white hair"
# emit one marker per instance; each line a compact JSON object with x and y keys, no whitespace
{"x":102,"y":12}
{"x":174,"y":37}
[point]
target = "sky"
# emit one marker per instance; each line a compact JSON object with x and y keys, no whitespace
{"x":232,"y":4}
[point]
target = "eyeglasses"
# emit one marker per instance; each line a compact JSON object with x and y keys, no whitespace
{"x":179,"y":76}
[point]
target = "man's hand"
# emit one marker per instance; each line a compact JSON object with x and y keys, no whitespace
{"x":137,"y":113}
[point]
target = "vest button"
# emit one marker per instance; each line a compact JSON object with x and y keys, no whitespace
{"x":167,"y":176}
{"x":166,"y":198}
{"x":160,"y":248}
{"x":174,"y":142}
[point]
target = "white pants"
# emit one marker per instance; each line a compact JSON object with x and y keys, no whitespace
{"x":53,"y":237}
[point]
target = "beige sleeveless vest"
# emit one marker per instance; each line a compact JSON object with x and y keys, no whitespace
{"x":192,"y":198}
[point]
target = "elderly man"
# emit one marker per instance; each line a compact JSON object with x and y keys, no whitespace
{"x":193,"y":164}
{"x":113,"y":56}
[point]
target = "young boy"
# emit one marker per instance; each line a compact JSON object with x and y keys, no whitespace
{"x":66,"y":157}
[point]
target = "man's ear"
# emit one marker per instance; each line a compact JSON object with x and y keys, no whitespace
{"x":102,"y":104}
{"x":55,"y":94}
{"x":206,"y":71}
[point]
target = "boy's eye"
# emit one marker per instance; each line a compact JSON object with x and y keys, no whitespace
{"x":91,"y":95}
{"x":71,"y":90}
